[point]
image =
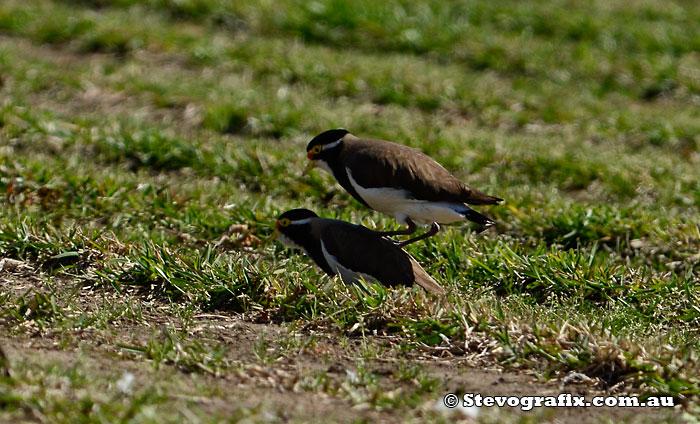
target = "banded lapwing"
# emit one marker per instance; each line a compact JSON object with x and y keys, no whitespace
{"x":397,"y":180}
{"x":352,"y":251}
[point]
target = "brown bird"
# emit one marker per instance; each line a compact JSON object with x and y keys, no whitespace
{"x":353,"y":251}
{"x":397,"y":180}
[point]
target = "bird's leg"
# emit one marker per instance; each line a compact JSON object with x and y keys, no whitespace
{"x":433,"y":230}
{"x":412,"y":227}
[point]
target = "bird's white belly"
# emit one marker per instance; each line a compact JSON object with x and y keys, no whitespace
{"x":346,"y":274}
{"x":400,"y":205}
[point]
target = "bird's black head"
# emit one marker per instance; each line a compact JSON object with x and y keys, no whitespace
{"x":295,"y":231}
{"x":294,"y":215}
{"x":294,"y":228}
{"x":326,"y":144}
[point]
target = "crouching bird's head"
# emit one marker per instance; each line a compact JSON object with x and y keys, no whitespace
{"x":293,"y":228}
{"x":299,"y":229}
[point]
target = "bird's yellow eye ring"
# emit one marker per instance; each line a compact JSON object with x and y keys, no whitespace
{"x":284,"y":222}
{"x":316,"y":149}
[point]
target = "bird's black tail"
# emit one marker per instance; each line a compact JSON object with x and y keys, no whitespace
{"x":475,"y":216}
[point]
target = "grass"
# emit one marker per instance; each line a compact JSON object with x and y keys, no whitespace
{"x":147,"y":148}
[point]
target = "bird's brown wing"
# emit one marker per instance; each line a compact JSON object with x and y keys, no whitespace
{"x":362,"y":250}
{"x":378,"y":163}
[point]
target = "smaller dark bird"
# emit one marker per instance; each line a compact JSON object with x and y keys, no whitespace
{"x":353,"y":251}
{"x":397,"y":180}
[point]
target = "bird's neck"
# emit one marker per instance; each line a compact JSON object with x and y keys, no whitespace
{"x":340,"y":173}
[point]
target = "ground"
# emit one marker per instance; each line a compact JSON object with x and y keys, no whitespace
{"x":275,"y":372}
{"x":147,"y":147}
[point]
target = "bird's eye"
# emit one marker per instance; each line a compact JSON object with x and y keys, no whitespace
{"x":284,"y":222}
{"x":316,"y":149}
